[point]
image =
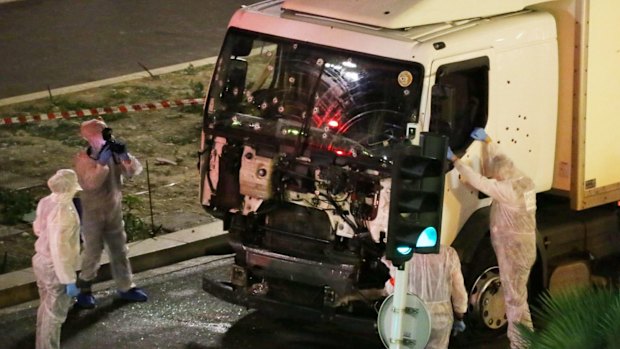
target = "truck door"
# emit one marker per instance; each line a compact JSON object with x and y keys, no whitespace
{"x":458,"y":102}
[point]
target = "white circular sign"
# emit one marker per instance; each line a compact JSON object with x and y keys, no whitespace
{"x":416,"y":322}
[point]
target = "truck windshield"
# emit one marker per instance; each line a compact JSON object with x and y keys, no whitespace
{"x":273,"y":88}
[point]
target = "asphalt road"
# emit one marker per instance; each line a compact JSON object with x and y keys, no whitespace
{"x":61,"y":43}
{"x":180,"y":314}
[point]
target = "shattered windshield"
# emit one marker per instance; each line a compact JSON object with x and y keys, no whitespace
{"x":273,"y":88}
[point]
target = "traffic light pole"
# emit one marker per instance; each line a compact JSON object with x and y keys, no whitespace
{"x":401,"y":287}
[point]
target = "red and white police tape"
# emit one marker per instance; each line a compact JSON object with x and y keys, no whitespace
{"x":22,"y":119}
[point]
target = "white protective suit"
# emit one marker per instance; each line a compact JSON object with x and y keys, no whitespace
{"x":513,"y":229}
{"x":57,"y":227}
{"x":102,"y":219}
{"x":438,"y":281}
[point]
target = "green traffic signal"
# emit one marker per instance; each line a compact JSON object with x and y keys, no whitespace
{"x":404,"y":250}
{"x":416,"y":198}
{"x":428,"y":238}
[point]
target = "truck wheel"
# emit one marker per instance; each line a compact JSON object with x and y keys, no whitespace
{"x":487,"y":301}
{"x":486,"y":314}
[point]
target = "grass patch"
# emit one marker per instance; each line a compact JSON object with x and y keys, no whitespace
{"x":65,"y":104}
{"x":61,"y":129}
{"x":56,"y":104}
{"x":197,"y":88}
{"x":16,"y":252}
{"x":14,"y":205}
{"x":181,"y":139}
{"x":192,"y":109}
{"x":34,"y":151}
{"x":146,"y":93}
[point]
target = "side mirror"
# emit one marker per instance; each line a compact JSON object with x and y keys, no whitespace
{"x":443,"y":109}
{"x":242,"y":47}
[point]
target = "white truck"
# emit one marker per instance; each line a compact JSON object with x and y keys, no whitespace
{"x":309,"y":98}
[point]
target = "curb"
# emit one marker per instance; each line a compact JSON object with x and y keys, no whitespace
{"x":20,"y":286}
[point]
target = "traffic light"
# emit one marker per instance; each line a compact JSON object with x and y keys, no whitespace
{"x":416,"y":199}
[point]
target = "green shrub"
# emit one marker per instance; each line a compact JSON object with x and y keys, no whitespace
{"x":197,"y":88}
{"x":190,"y":70}
{"x":583,"y":318}
{"x":135,"y":227}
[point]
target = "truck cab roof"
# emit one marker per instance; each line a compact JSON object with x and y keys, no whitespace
{"x":400,"y":14}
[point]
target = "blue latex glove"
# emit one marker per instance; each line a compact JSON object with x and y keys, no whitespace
{"x":450,"y":154}
{"x":479,"y":134}
{"x":124,"y":156}
{"x":457,"y":327}
{"x":104,"y":156}
{"x":72,"y":290}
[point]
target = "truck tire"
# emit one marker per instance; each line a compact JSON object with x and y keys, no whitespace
{"x":486,"y":314}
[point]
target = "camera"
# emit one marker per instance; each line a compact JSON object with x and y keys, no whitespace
{"x":114,"y":145}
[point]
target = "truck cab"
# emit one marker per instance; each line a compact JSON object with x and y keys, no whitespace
{"x":307,"y":103}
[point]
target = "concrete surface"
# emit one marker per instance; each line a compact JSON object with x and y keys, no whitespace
{"x":210,"y":238}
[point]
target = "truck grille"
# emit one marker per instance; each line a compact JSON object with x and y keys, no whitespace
{"x":297,"y":231}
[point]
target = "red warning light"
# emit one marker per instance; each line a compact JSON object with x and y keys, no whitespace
{"x":333,"y":123}
{"x":341,"y":152}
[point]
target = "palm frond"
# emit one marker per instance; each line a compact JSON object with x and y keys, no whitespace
{"x":580,"y":318}
{"x":610,"y":323}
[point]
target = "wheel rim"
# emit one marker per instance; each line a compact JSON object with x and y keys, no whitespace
{"x":486,"y":300}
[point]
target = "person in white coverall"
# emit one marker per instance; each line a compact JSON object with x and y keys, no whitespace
{"x":513,"y":226}
{"x":438,"y":281}
{"x":57,"y":249}
{"x":100,"y":169}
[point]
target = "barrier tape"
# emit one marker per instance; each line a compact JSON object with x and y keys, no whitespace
{"x":22,"y":119}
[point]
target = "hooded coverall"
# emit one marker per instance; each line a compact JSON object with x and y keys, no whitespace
{"x":57,"y":227}
{"x":438,"y":281}
{"x":102,"y":219}
{"x":513,"y":229}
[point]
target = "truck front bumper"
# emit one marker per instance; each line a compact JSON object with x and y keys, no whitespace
{"x":225,"y":291}
{"x":337,"y":276}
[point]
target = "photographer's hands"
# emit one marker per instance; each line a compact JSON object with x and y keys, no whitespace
{"x":104,"y":156}
{"x":107,"y":153}
{"x":111,"y":148}
{"x":120,"y":149}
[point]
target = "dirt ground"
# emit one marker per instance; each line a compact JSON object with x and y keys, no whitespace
{"x":165,"y":141}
